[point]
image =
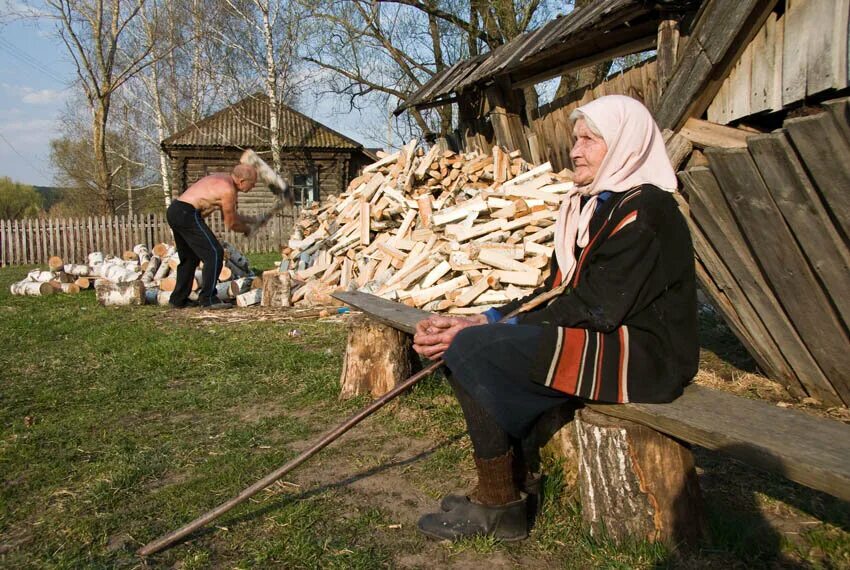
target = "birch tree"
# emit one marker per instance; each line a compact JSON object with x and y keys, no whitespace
{"x":258,"y":40}
{"x":93,"y":32}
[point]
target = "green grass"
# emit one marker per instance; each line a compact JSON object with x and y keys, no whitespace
{"x":118,"y":425}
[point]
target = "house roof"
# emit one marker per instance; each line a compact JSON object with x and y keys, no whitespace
{"x":600,"y":30}
{"x":242,"y":125}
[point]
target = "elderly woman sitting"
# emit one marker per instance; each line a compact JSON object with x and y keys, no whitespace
{"x":624,"y":330}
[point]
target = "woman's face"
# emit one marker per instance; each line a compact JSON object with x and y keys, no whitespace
{"x":587,"y":153}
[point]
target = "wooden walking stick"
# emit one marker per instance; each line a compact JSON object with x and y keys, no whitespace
{"x":324,"y":441}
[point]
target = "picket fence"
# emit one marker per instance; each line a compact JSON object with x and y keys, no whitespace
{"x":34,"y":241}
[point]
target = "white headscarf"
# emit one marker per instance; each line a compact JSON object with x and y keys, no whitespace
{"x":636,"y":156}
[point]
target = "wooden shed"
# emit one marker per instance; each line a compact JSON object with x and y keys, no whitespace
{"x":752,"y":98}
{"x":317,"y":160}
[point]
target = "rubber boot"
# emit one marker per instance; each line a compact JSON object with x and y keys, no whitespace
{"x":496,"y":508}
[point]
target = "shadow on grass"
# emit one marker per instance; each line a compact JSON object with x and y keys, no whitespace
{"x":290,"y":499}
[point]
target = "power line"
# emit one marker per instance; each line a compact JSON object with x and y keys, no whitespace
{"x":24,"y":57}
{"x":28,"y":161}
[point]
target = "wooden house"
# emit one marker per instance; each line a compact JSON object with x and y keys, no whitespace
{"x":317,"y":161}
{"x":752,"y":98}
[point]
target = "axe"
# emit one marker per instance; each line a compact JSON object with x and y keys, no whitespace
{"x":276,"y":184}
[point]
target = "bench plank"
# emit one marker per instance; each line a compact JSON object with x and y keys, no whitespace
{"x":812,"y":451}
{"x":396,"y":315}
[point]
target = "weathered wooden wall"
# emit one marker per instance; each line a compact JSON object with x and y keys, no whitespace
{"x":796,"y":55}
{"x":770,"y":224}
{"x":551,"y":122}
{"x":33,"y":241}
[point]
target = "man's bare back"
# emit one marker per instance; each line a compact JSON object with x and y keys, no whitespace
{"x":220,"y":192}
{"x":210,"y":193}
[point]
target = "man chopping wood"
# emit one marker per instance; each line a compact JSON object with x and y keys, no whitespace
{"x":195,"y":241}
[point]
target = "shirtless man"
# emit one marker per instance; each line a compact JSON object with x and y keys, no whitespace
{"x":195,"y":242}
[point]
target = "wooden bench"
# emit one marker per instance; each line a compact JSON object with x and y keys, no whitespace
{"x":635,"y":475}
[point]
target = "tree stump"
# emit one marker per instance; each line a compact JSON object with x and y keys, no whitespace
{"x":276,"y":287}
{"x":377,"y":357}
{"x":556,"y":433}
{"x":636,"y":482}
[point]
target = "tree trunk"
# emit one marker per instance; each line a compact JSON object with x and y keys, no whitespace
{"x":108,"y":293}
{"x":377,"y":357}
{"x":103,"y":176}
{"x":271,"y":88}
{"x":636,"y":483}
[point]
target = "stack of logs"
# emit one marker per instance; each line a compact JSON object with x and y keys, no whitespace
{"x":140,"y":276}
{"x":442,"y":231}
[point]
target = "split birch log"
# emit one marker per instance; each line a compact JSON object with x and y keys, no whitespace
{"x":95,"y":258}
{"x":163,"y":297}
{"x":40,"y":276}
{"x":377,"y":357}
{"x":148,"y":277}
{"x":55,"y":263}
{"x":163,"y":270}
{"x":236,"y":259}
{"x":70,"y":288}
{"x":83,"y":282}
{"x":222,"y":291}
{"x":276,"y":289}
{"x":142,"y":253}
{"x":167,"y":284}
{"x":117,"y":273}
{"x":76,"y":269}
{"x":636,"y":483}
{"x":32,"y":288}
{"x":239,"y":286}
{"x":126,"y":293}
{"x":252,"y":297}
{"x":162,"y":250}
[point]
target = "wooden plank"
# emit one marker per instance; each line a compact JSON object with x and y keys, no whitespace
{"x":801,"y":207}
{"x":26,"y":246}
{"x":806,"y":449}
{"x":668,"y":45}
{"x":809,"y":450}
{"x":794,"y":52}
{"x":762,"y":56}
{"x":713,"y":214}
{"x":784,"y":265}
{"x":723,"y":30}
{"x":822,"y":146}
{"x":740,"y":85}
{"x":4,"y":241}
{"x":396,"y":315}
{"x":823,"y":45}
{"x":841,"y":39}
{"x":840,"y":111}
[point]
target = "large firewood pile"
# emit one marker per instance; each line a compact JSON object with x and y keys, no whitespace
{"x":139,"y":276}
{"x":437,"y":230}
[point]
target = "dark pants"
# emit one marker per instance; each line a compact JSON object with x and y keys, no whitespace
{"x":195,"y":243}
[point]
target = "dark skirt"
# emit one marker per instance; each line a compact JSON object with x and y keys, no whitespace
{"x":500,"y":366}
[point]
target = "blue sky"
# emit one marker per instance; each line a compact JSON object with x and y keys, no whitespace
{"x":36,"y":76}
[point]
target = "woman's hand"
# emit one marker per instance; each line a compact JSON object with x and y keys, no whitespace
{"x":434,"y":334}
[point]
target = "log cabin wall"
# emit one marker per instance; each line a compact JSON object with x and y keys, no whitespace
{"x":332,"y":171}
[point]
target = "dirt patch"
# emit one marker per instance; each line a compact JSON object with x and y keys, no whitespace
{"x":257,"y":412}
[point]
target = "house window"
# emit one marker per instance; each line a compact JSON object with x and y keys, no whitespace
{"x":305,"y":188}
